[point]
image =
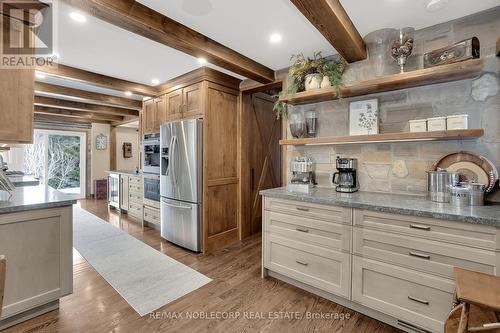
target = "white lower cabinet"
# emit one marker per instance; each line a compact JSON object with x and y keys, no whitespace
{"x":396,"y":268}
{"x":414,"y":297}
{"x":323,"y":268}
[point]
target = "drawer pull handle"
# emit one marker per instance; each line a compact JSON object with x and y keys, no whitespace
{"x":302,"y":230}
{"x":421,"y":301}
{"x":303,"y":209}
{"x":420,"y":227}
{"x":301,"y":263}
{"x":420,"y":255}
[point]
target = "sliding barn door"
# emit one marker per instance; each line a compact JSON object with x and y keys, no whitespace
{"x":261,"y":157}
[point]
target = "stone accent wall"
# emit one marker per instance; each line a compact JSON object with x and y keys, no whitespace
{"x":400,"y":167}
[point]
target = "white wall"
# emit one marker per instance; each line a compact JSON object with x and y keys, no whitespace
{"x":99,"y":158}
{"x":125,"y":134}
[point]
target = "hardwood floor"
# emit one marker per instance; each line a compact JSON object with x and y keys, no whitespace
{"x":236,"y":289}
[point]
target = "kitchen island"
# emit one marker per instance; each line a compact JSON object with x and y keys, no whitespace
{"x":388,"y":256}
{"x":36,"y":237}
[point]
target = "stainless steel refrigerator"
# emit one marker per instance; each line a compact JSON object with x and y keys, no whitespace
{"x":181,"y":183}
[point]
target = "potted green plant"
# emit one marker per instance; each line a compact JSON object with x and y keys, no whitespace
{"x":310,"y":73}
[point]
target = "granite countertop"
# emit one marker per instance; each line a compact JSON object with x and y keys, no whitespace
{"x":125,"y":172}
{"x":20,"y":180}
{"x":392,"y":203}
{"x":32,"y":198}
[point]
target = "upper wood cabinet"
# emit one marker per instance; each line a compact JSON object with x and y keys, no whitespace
{"x":160,"y":106}
{"x":192,"y":101}
{"x":148,"y":116}
{"x":174,"y":105}
{"x":17,"y":91}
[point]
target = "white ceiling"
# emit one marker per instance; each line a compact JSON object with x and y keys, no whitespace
{"x":242,"y":25}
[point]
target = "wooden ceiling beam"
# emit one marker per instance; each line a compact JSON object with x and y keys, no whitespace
{"x":76,"y":114}
{"x":71,"y":105}
{"x":137,"y":18}
{"x":55,"y":90}
{"x":51,"y":117}
{"x":331,"y":19}
{"x":80,"y":75}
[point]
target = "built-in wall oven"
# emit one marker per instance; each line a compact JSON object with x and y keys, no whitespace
{"x":151,"y":153}
{"x":151,"y":189}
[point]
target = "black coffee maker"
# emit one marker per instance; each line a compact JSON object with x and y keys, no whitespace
{"x":345,"y":178}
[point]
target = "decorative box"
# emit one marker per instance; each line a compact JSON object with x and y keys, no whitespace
{"x":436,"y":124}
{"x":457,"y":122}
{"x":464,"y":50}
{"x":418,"y":125}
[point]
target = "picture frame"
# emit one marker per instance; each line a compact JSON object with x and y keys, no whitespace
{"x":363,"y":117}
{"x":127,"y":150}
{"x":101,"y":142}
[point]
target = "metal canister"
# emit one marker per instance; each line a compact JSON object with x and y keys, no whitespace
{"x":477,"y":191}
{"x":460,"y":195}
{"x":438,"y":184}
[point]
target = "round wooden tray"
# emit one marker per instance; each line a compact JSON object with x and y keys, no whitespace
{"x":463,"y":158}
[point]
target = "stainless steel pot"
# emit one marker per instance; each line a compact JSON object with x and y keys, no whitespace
{"x":438,"y":184}
{"x":460,"y":195}
{"x":477,"y":194}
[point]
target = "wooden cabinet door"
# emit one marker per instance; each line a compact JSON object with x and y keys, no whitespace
{"x":160,"y":112}
{"x":148,"y":116}
{"x":16,"y":94}
{"x":174,"y":105}
{"x":260,"y":157}
{"x":192,"y":101}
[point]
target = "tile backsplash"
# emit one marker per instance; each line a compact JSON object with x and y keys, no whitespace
{"x":400,"y":167}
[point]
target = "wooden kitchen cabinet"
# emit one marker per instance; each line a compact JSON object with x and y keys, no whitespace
{"x":124,"y":194}
{"x":16,"y":94}
{"x":192,"y":101}
{"x":148,"y":116}
{"x":160,"y":110}
{"x":174,"y":105}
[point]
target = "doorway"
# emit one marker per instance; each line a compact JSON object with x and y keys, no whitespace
{"x":58,"y":159}
{"x":261,"y":166}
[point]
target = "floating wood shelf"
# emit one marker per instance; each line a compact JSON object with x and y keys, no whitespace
{"x":388,"y":137}
{"x":422,"y":77}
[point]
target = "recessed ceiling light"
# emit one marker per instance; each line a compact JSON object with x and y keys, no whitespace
{"x":128,"y":93}
{"x":80,"y":18}
{"x":202,"y":61}
{"x":39,"y":75}
{"x":435,"y":5}
{"x":275,"y":38}
{"x":155,"y":81}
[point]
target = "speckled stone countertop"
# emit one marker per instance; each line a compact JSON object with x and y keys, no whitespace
{"x":32,"y":198}
{"x":125,"y":172}
{"x":391,"y":203}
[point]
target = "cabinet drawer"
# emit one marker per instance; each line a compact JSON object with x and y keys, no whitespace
{"x":420,"y":299}
{"x":423,"y":254}
{"x":316,"y":232}
{"x":135,"y":180}
{"x":135,"y":209}
{"x":325,"y":269}
{"x":135,"y":188}
{"x":151,"y":215}
{"x":310,"y":210}
{"x":467,"y":234}
{"x":135,"y":198}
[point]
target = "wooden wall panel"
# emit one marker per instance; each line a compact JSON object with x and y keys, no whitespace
{"x":222,"y":209}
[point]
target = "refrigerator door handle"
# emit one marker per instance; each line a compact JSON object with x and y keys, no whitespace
{"x":173,"y":160}
{"x":175,"y":206}
{"x":167,"y":172}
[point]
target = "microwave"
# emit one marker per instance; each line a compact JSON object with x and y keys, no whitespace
{"x":151,"y":153}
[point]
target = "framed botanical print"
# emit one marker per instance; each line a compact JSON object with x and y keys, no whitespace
{"x":101,"y":142}
{"x":363,"y":117}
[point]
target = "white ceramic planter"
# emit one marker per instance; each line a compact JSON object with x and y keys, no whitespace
{"x":313,"y":81}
